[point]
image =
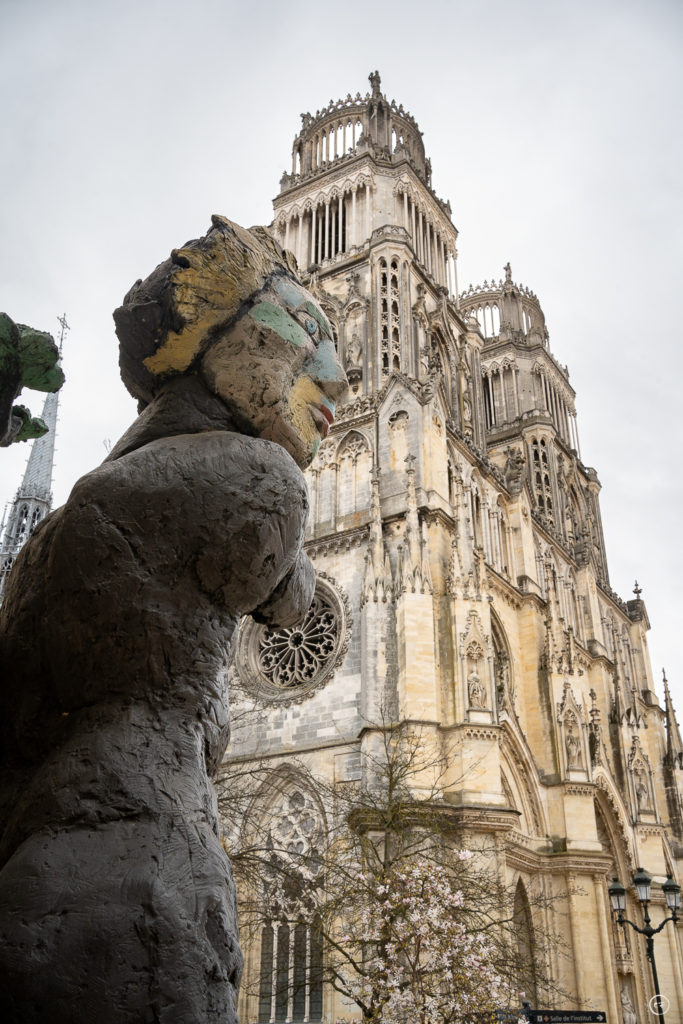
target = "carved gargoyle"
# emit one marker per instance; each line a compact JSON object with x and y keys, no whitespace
{"x":116,"y":897}
{"x":514,"y":470}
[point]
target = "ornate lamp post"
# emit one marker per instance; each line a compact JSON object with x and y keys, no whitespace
{"x":642,"y":883}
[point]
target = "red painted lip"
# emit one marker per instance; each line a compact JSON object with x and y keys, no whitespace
{"x":322,"y":418}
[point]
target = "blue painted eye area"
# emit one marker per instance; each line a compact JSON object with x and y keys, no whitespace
{"x":311,"y":326}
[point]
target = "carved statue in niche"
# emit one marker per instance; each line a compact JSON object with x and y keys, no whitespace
{"x":116,"y":898}
{"x":424,"y":359}
{"x":628,"y":1012}
{"x":476,"y":691}
{"x":354,"y":352}
{"x":504,"y":690}
{"x":572,"y":743}
{"x":353,"y":280}
{"x":642,"y":791}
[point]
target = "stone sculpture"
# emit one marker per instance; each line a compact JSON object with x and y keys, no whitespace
{"x":116,"y":898}
{"x":514,"y":469}
{"x":476,"y":690}
{"x":628,"y":1012}
{"x":573,"y":747}
{"x":642,"y":792}
{"x":28,"y":359}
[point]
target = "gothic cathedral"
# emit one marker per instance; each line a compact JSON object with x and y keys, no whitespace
{"x":462,"y":583}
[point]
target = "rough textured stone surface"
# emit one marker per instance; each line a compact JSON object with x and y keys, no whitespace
{"x":28,"y":359}
{"x":116,"y":898}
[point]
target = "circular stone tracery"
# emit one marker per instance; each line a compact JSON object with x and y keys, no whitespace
{"x":291,"y":657}
{"x":285,"y":665}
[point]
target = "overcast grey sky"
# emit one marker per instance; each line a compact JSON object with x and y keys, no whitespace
{"x":554,"y":128}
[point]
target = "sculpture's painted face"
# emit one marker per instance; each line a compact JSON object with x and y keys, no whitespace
{"x":277,"y":370}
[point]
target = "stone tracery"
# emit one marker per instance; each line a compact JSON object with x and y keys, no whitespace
{"x":290,"y":664}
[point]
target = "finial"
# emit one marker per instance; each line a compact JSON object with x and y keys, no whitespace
{"x":637,"y":591}
{"x":664,"y":679}
{"x":61,"y":320}
{"x":409,"y":460}
{"x":508,"y":274}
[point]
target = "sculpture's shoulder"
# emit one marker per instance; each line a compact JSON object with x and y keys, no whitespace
{"x":191,"y":463}
{"x":227,"y":509}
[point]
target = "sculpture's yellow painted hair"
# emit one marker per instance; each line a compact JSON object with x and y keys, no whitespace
{"x":168,"y":320}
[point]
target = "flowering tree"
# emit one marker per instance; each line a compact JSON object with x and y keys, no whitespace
{"x":407,"y":954}
{"x":413,"y":928}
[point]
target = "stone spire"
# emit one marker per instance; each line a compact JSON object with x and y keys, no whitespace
{"x":377,"y":579}
{"x":33,"y":499}
{"x":674,"y":744}
{"x":413,"y":573}
{"x":37,"y":482}
{"x":673,"y":764}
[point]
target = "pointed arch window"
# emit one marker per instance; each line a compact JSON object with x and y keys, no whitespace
{"x":22,"y":524}
{"x":526,"y":946}
{"x":384,"y":314}
{"x":489,"y":408}
{"x":291,"y":955}
{"x":542,"y":487}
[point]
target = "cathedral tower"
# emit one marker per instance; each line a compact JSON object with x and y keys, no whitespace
{"x":462,"y":575}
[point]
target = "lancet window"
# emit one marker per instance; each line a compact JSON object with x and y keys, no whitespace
{"x":428,"y":241}
{"x":395,"y":320}
{"x":488,"y":316}
{"x":290,"y":981}
{"x":384,"y":313}
{"x":22,"y":524}
{"x":389,"y":316}
{"x":489,"y":404}
{"x":5,"y":567}
{"x":290,"y":987}
{"x":476,"y":518}
{"x":503,"y":546}
{"x":327,"y":225}
{"x":451,"y":484}
{"x":355,"y":463}
{"x":541,"y":478}
{"x":328,"y":229}
{"x":526,"y":946}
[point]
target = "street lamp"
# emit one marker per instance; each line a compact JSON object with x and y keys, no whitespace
{"x":643,"y":884}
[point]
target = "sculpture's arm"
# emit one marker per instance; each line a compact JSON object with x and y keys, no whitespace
{"x":240,"y":509}
{"x":291,"y":599}
{"x":259,"y":560}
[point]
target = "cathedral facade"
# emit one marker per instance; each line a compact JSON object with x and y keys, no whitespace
{"x":462,"y":586}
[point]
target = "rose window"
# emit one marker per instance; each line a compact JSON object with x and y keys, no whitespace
{"x":285,"y":664}
{"x":290,"y":657}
